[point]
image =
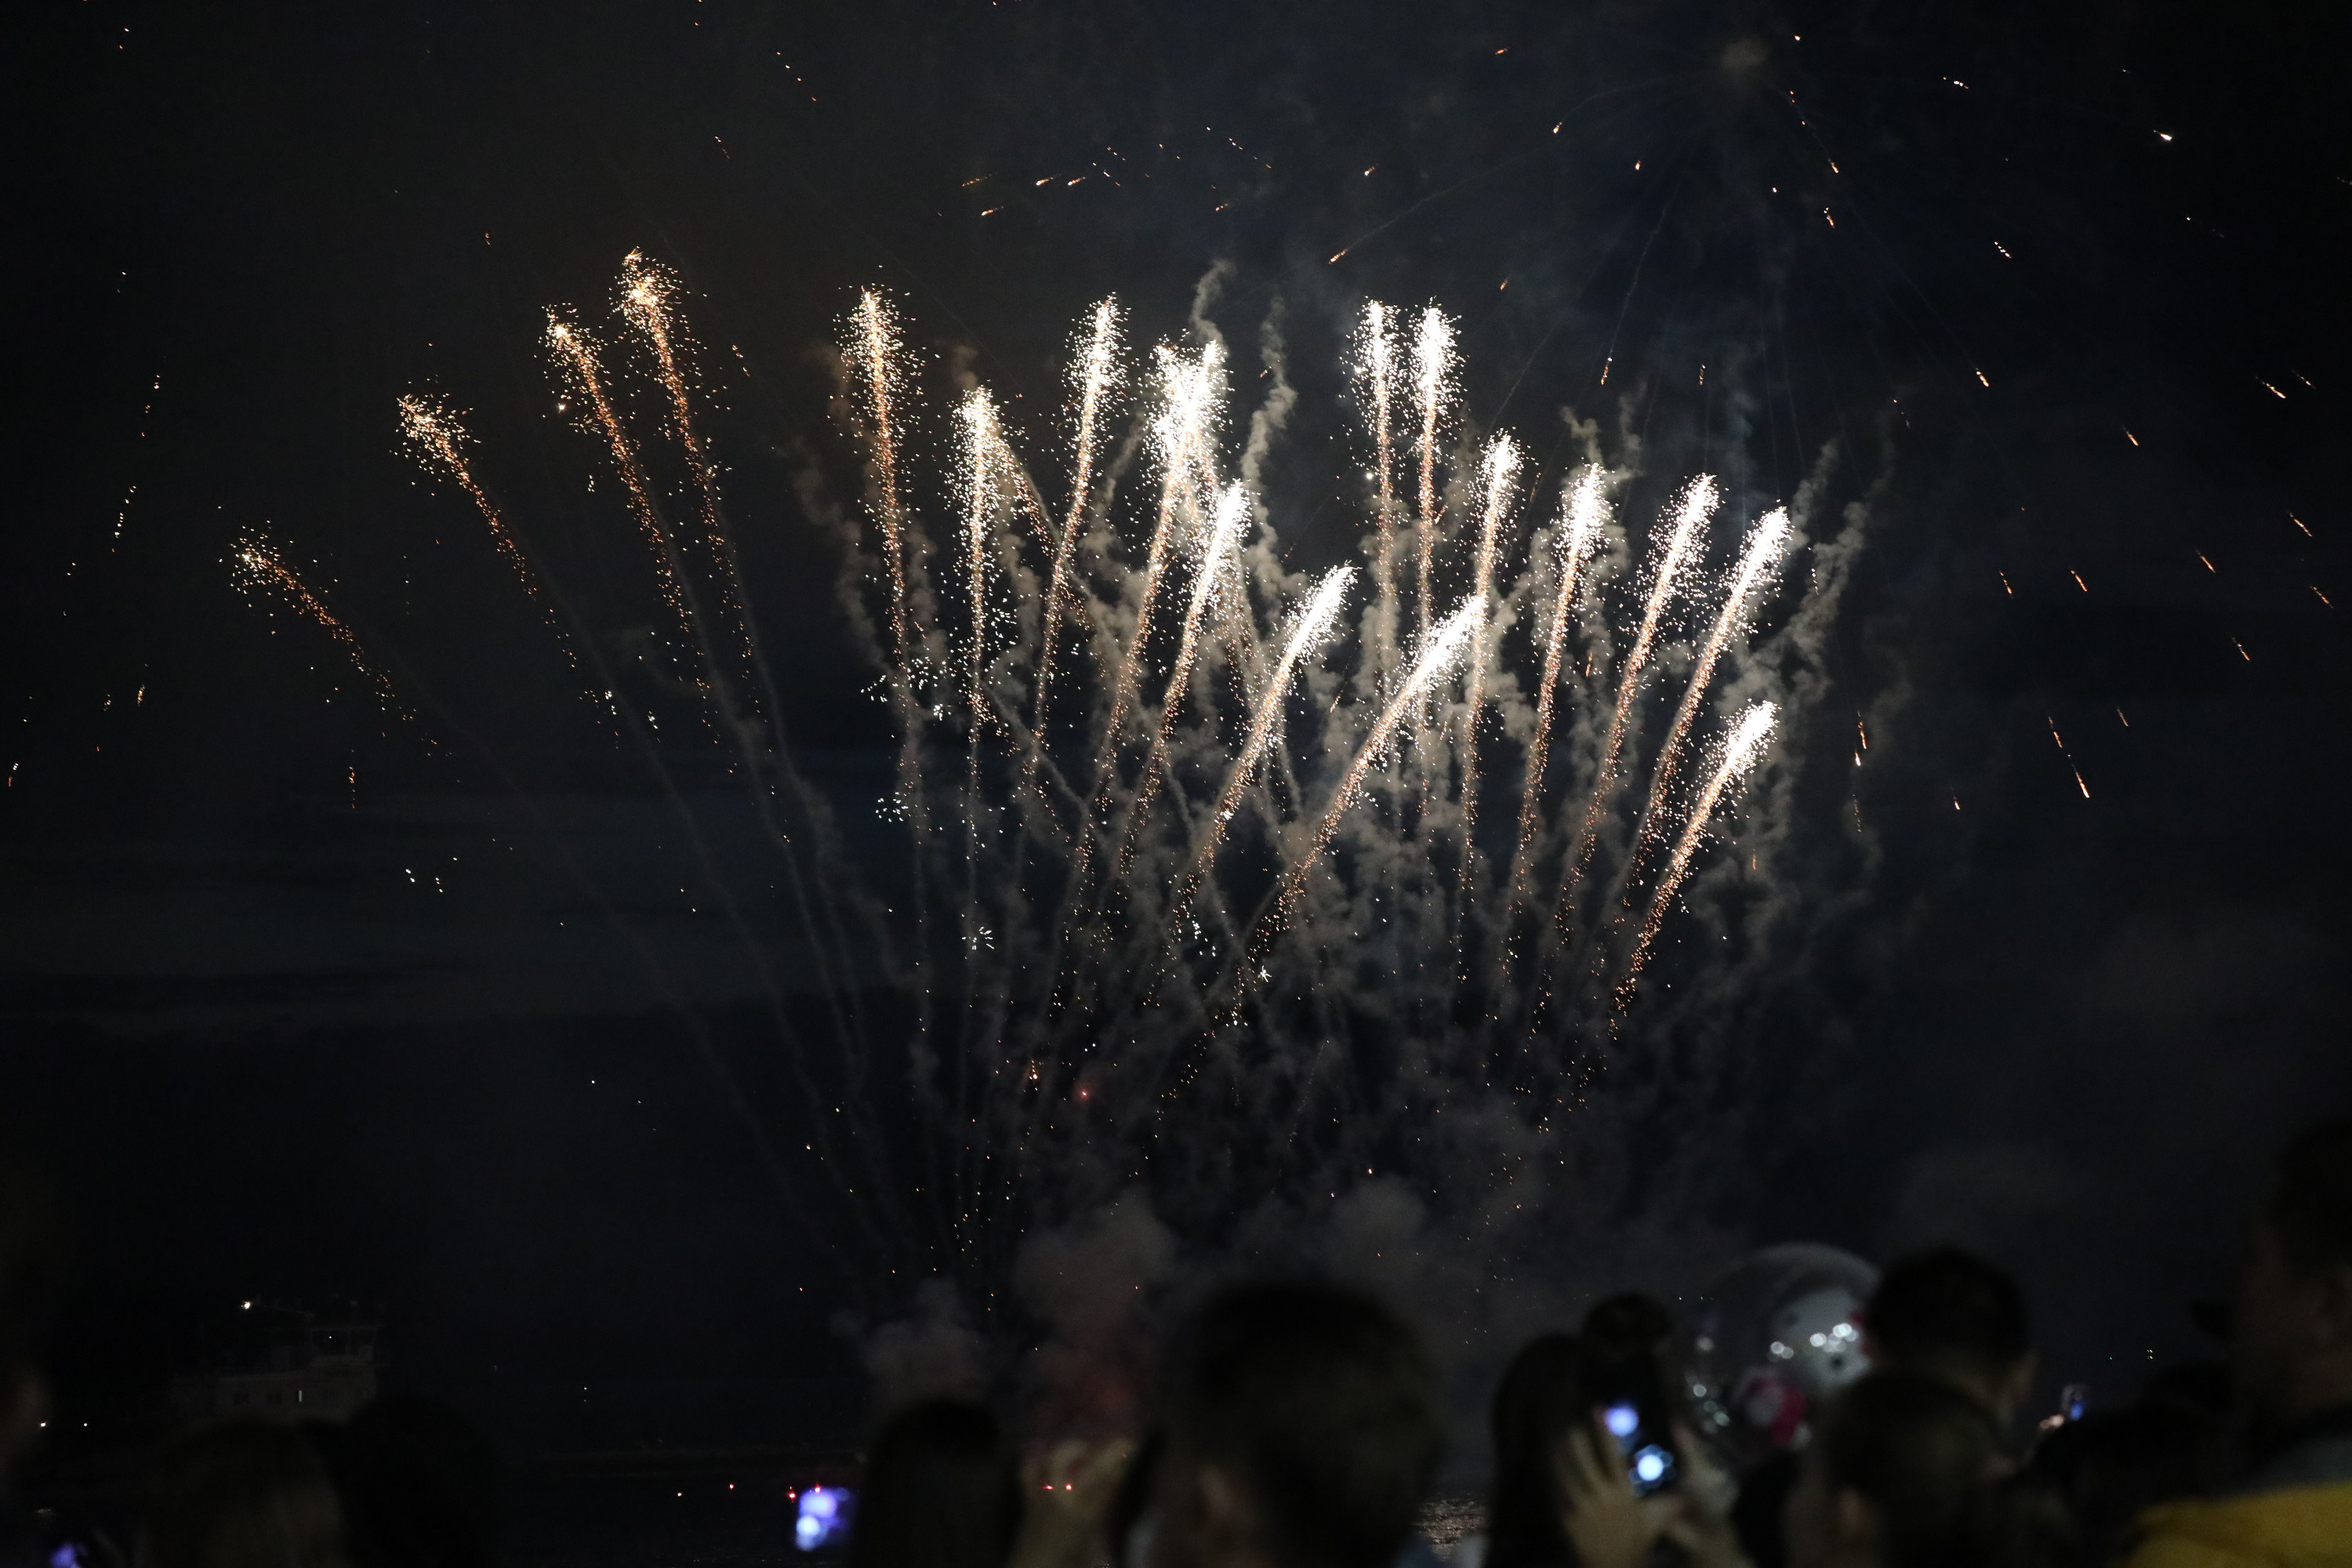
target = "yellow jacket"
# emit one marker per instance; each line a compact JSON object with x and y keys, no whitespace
{"x":2291,"y":1527}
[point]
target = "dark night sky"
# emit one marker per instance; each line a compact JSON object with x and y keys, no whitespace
{"x":273,"y":1058}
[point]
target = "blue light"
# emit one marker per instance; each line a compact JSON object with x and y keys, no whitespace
{"x":1622,"y":1420}
{"x":823,"y":1514}
{"x":1650,"y":1466}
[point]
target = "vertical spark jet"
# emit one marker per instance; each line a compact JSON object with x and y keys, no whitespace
{"x":1766,"y":542}
{"x":981,"y":459}
{"x":1376,"y":364}
{"x":1698,"y":503}
{"x":1094,"y":373}
{"x":1499,"y":469}
{"x":876,"y":360}
{"x":1225,"y":532}
{"x":1580,"y":535}
{"x":1432,"y":369}
{"x":1740,"y":752}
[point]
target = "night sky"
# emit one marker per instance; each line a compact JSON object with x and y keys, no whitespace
{"x":308,"y":1000}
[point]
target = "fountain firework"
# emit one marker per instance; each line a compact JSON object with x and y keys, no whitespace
{"x":1153,"y":923}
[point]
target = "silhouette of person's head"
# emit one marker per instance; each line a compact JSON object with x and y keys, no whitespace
{"x":1302,"y":1426}
{"x":940,"y":1489}
{"x":1950,"y":1315}
{"x":32,"y":1272}
{"x":1898,"y":1474}
{"x":1539,"y":1402}
{"x":2291,"y":1335}
{"x":242,"y":1494}
{"x":419,"y":1485}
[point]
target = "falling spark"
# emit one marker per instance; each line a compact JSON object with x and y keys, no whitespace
{"x":2301,"y":524}
{"x":1310,"y":631}
{"x":1581,"y":535}
{"x":1739,"y":754}
{"x":2078,"y":581}
{"x":1499,"y":469}
{"x":1766,"y":543}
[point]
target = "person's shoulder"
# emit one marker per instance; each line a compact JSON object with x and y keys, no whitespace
{"x":2293,"y":1527}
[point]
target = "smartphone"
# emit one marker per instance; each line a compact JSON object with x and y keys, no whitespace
{"x":1645,"y":1444}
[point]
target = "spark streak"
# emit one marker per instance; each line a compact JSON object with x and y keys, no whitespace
{"x":1190,"y":391}
{"x":1376,"y":364}
{"x":1766,"y":542}
{"x":258,"y":560}
{"x":1310,"y":630}
{"x":1698,"y":503}
{"x":982,"y":462}
{"x":1740,"y":752}
{"x":1433,"y":368}
{"x":577,"y":350}
{"x":439,"y":442}
{"x":1580,"y":537}
{"x":1225,"y":532}
{"x":1436,"y":654}
{"x":1094,"y":370}
{"x":1499,"y":469}
{"x":875,"y":352}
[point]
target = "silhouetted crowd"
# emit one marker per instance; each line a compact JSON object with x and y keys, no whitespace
{"x":1300,"y":1424}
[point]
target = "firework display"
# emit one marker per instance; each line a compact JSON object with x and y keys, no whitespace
{"x":1212,"y":829}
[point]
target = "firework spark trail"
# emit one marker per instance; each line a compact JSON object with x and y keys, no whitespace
{"x":983,"y":458}
{"x":1766,"y":543}
{"x":874,"y":351}
{"x":439,"y":442}
{"x":1749,"y":734}
{"x":1433,"y":367}
{"x":1698,"y":503}
{"x":1191,"y":393}
{"x":1311,"y":628}
{"x":648,"y":291}
{"x":578,"y":350}
{"x":647,"y":303}
{"x":263,"y":566}
{"x":1437,"y":653}
{"x":1225,"y":532}
{"x":1581,"y":534}
{"x":1377,"y":364}
{"x":1499,"y":470}
{"x":1094,"y":374}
